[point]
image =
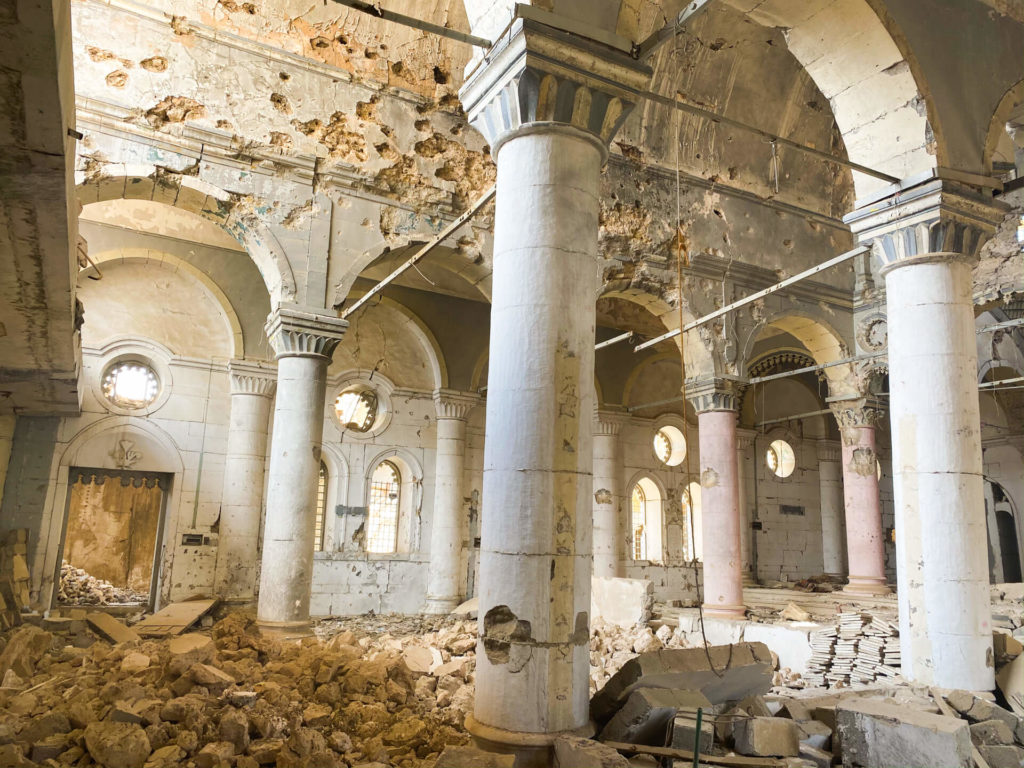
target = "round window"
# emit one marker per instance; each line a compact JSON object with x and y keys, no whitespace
{"x":780,"y":458}
{"x":130,"y":384}
{"x":670,"y":446}
{"x":357,"y":409}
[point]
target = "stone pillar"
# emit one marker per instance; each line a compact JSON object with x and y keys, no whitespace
{"x":304,"y":342}
{"x":609,"y":532}
{"x":927,"y":238}
{"x":715,"y":403}
{"x":745,"y":461}
{"x":445,"y":587}
{"x":865,"y":544}
{"x":241,"y":507}
{"x":833,"y":525}
{"x":547,"y":103}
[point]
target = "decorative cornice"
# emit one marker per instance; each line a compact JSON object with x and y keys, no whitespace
{"x":935,"y":220}
{"x":609,"y":421}
{"x":829,"y":450}
{"x":251,"y":378}
{"x":452,"y":404}
{"x":713,"y":395}
{"x":858,"y":412}
{"x":299,"y":332}
{"x":538,"y":74}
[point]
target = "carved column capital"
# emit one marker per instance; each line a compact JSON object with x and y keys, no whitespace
{"x":936,"y":220}
{"x":537,"y":75}
{"x":252,"y":378}
{"x":713,"y":395}
{"x":858,"y":412}
{"x":608,"y":421}
{"x":302,"y":332}
{"x":745,"y":438}
{"x":829,"y":450}
{"x":452,"y":404}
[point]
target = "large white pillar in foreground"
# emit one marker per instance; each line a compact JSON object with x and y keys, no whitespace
{"x":927,"y":238}
{"x":304,"y":342}
{"x":547,"y":102}
{"x":449,"y":527}
{"x":609,"y":532}
{"x":715,"y":403}
{"x":833,"y":524}
{"x":241,"y":508}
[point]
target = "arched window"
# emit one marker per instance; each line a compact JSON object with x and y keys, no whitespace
{"x":321,"y":509}
{"x":646,"y":520}
{"x":693,"y":545}
{"x":382,"y":520}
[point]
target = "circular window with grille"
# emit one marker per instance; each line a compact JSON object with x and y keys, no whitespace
{"x":357,"y":409}
{"x":130,"y":384}
{"x":670,"y":445}
{"x":780,"y":458}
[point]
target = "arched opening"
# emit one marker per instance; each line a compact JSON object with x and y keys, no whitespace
{"x":646,"y":521}
{"x":320,"y":528}
{"x":383,"y":508}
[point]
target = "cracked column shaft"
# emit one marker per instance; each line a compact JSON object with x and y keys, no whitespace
{"x":833,"y":526}
{"x":609,"y":530}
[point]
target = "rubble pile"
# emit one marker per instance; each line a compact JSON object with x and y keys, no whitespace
{"x":14,"y":577}
{"x":860,"y":648}
{"x":611,"y":646}
{"x":78,"y":587}
{"x":232,"y":697}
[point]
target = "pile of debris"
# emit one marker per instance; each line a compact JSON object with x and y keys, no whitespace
{"x":860,"y":648}
{"x":231,"y":697}
{"x":611,"y":646}
{"x":78,"y":587}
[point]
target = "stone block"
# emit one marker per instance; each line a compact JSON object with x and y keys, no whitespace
{"x":471,"y":757}
{"x":684,"y":731}
{"x":621,"y":602}
{"x":982,"y":711}
{"x":646,"y":716}
{"x":740,"y":671}
{"x":991,"y":732}
{"x":117,"y":745}
{"x":577,"y":752}
{"x":24,"y":648}
{"x":818,"y":757}
{"x":1002,"y":756}
{"x":766,"y":737}
{"x":109,"y":628}
{"x":874,"y":734}
{"x":815,"y":734}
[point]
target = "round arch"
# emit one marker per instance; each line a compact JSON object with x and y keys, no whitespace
{"x":1011,"y":104}
{"x":144,"y":182}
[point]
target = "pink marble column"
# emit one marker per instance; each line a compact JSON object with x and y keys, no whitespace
{"x":864,"y":536}
{"x":720,"y":501}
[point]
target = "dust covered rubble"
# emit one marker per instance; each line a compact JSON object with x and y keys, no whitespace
{"x":79,"y":587}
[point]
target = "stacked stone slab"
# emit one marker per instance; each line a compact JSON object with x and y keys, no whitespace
{"x":861,"y":648}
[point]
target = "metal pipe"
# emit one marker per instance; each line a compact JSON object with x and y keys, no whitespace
{"x":627,"y":336}
{"x":1000,"y":326}
{"x":991,"y":384}
{"x":812,"y":368}
{"x":794,"y":417}
{"x":444,"y":235}
{"x":409,"y":21}
{"x":656,"y":39}
{"x":755,"y":296}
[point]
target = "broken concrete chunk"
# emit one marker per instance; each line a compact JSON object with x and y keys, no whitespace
{"x":24,"y":648}
{"x":471,"y":757}
{"x":109,"y":628}
{"x":134,"y":662}
{"x":684,"y":732}
{"x":766,"y":737}
{"x":1002,"y":756}
{"x":418,"y":659}
{"x":117,"y":745}
{"x":815,"y":734}
{"x":743,"y":670}
{"x":874,"y":734}
{"x":215,"y":754}
{"x":646,"y":716}
{"x":818,"y":757}
{"x":991,"y":732}
{"x":577,"y":752}
{"x":982,"y":711}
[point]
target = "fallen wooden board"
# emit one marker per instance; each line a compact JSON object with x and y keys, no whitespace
{"x":174,"y":619}
{"x":733,"y":761}
{"x":110,"y":628}
{"x":947,"y":710}
{"x":1010,"y":680}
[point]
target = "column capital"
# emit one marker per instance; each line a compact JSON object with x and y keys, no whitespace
{"x":453,"y":404}
{"x":250,"y":377}
{"x":609,"y":420}
{"x":536,"y":74}
{"x":713,"y":395}
{"x":829,"y":450}
{"x":858,"y":412}
{"x":935,"y":220}
{"x":296,"y":331}
{"x":745,"y":438}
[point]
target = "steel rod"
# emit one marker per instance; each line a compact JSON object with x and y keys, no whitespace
{"x":444,"y":235}
{"x":794,"y":417}
{"x":1000,"y":382}
{"x":812,"y":368}
{"x":755,"y":296}
{"x":615,"y":340}
{"x":410,"y":21}
{"x":1000,"y":326}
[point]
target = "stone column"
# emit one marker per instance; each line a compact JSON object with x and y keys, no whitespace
{"x":865,"y":544}
{"x":745,"y":461}
{"x":715,"y":403}
{"x":241,"y":507}
{"x":927,"y":238}
{"x":609,"y":533}
{"x":547,"y":103}
{"x":304,"y":342}
{"x":445,"y":588}
{"x":833,"y":526}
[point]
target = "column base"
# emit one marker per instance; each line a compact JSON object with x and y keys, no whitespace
{"x":867,"y":586}
{"x":731,"y":612}
{"x":286,"y":630}
{"x":749,"y":579}
{"x":532,"y":750}
{"x":441,"y":605}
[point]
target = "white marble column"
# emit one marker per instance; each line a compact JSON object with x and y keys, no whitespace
{"x":304,"y":342}
{"x":715,"y":403}
{"x":928,"y":238}
{"x":241,"y":507}
{"x":549,"y":125}
{"x":833,"y":523}
{"x":449,"y":527}
{"x":609,"y":514}
{"x":745,"y":462}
